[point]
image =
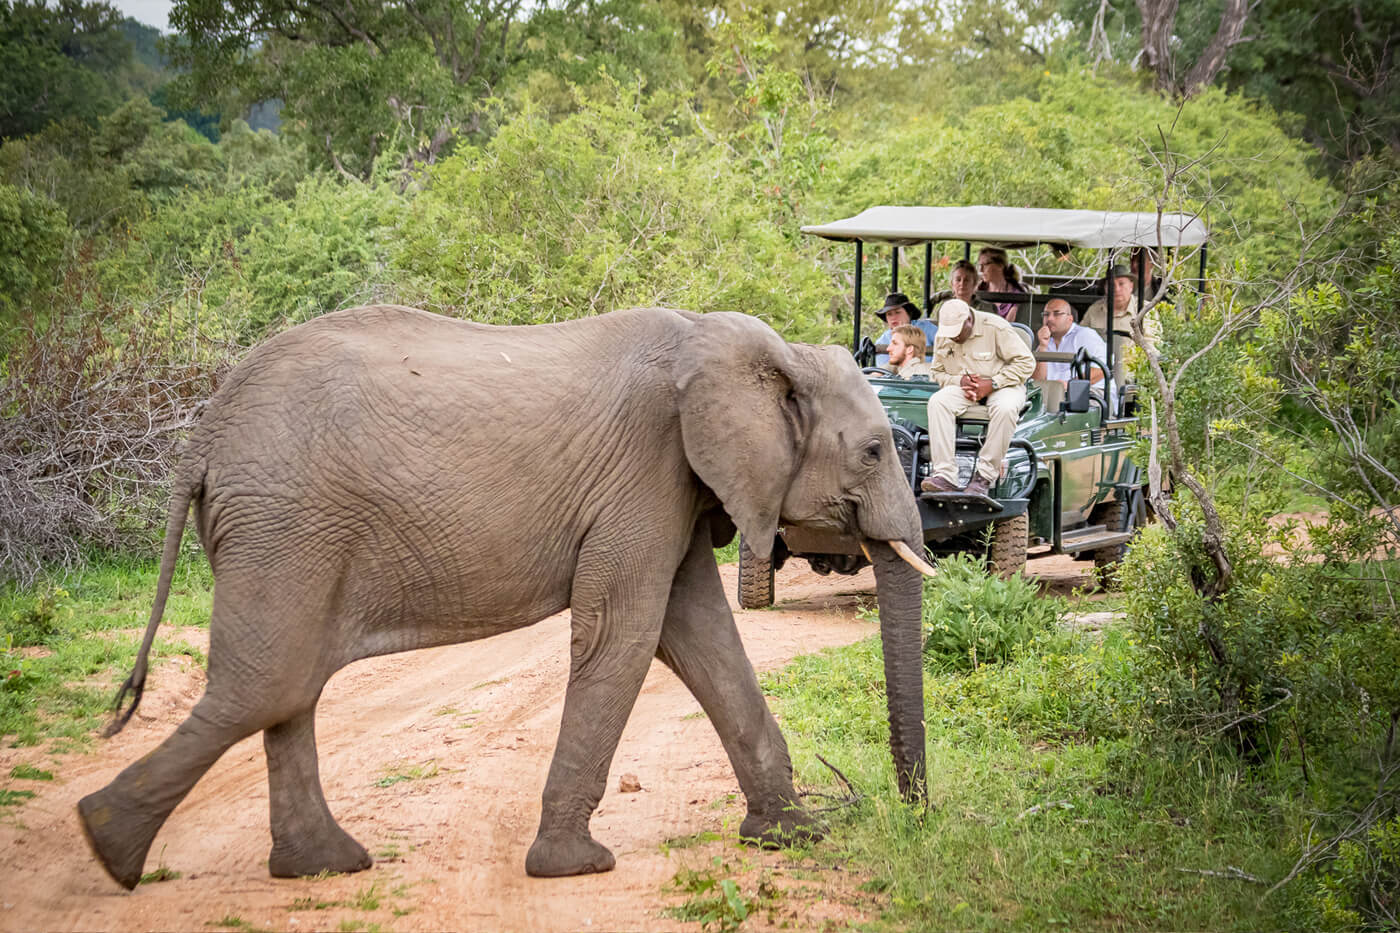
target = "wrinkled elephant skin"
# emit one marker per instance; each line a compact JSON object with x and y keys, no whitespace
{"x":384,"y":479}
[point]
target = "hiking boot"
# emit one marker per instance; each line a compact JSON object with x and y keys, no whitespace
{"x":977,"y":486}
{"x":937,"y":484}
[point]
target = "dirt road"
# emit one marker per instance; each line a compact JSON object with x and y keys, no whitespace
{"x":435,"y":761}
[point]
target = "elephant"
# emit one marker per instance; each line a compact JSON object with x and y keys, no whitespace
{"x":383,"y":479}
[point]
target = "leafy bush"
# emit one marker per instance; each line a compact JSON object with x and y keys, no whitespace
{"x":973,"y":618}
{"x":33,"y":231}
{"x":39,"y":621}
{"x":1308,"y":644}
{"x":1360,"y":889}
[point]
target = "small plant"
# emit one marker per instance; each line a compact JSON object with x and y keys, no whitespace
{"x":162,"y":873}
{"x":38,"y":622}
{"x":238,"y":923}
{"x":367,"y":899}
{"x":30,"y":773}
{"x":717,"y":902}
{"x":690,"y":841}
{"x":13,"y":798}
{"x":419,"y":772}
{"x":973,"y":618}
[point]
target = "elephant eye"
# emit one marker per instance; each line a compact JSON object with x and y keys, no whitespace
{"x":872,"y":453}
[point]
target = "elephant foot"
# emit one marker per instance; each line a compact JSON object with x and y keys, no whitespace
{"x":119,"y":838}
{"x":333,"y":851}
{"x":790,"y":826}
{"x":556,"y":856}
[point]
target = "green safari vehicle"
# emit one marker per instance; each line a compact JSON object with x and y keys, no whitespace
{"x":1070,"y":485}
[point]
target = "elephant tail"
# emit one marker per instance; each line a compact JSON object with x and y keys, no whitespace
{"x":188,"y":486}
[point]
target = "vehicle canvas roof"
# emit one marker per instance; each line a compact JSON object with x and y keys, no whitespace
{"x":1016,"y":226}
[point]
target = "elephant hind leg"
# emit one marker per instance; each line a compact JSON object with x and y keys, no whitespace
{"x":616,"y":619}
{"x":306,"y":839}
{"x":121,"y":820}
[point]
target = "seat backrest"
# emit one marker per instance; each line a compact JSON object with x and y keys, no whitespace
{"x":1026,"y":333}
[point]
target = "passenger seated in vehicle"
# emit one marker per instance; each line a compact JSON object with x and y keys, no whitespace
{"x":898,"y":311}
{"x":980,"y":359}
{"x":999,"y":275}
{"x":963,"y":279}
{"x":907,"y":353}
{"x":1059,"y":334}
{"x":1124,"y":307}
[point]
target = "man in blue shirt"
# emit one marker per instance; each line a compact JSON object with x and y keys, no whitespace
{"x":898,"y":311}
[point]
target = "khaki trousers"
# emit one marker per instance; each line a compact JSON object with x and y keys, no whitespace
{"x":1002,"y":409}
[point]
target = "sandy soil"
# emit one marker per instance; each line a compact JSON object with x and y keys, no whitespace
{"x":475,"y":724}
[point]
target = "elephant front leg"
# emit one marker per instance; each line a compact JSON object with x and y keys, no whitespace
{"x":615,"y":624}
{"x":700,"y":642}
{"x":306,"y":839}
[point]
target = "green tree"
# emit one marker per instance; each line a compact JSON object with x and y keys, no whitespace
{"x":33,"y":231}
{"x":367,"y":78}
{"x":58,"y":62}
{"x":1332,"y":62}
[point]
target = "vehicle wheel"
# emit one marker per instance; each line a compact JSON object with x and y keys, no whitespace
{"x":755,"y":579}
{"x":1106,"y":559}
{"x":1007,"y":556}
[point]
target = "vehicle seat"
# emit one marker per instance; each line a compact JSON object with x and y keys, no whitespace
{"x":1052,"y":393}
{"x":1026,"y":333}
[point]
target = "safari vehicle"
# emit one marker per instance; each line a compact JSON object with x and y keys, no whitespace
{"x":1069,"y":485}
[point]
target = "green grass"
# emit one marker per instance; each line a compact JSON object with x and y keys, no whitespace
{"x":67,"y":642}
{"x":25,"y":772}
{"x":1044,"y":812}
{"x":729,"y":554}
{"x":398,"y":774}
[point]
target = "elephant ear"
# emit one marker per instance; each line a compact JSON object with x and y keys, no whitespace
{"x":741,"y":417}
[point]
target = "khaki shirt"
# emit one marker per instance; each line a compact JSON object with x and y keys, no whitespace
{"x":1097,"y":313}
{"x":993,"y":349}
{"x":919,"y":368}
{"x":1094,"y":318}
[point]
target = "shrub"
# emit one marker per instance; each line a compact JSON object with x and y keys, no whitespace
{"x":973,"y":618}
{"x":93,"y":413}
{"x":1307,"y":645}
{"x":1360,"y":889}
{"x":39,"y":621}
{"x":33,"y":230}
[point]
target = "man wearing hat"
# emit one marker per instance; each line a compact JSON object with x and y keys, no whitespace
{"x":979,"y":359}
{"x":898,"y":311}
{"x":1124,"y":307}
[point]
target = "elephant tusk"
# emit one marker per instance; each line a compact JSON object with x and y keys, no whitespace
{"x":910,"y":558}
{"x":866,"y":551}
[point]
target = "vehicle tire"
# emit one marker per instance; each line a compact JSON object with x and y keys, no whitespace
{"x":1106,"y":559}
{"x":755,"y":579}
{"x":1007,"y":555}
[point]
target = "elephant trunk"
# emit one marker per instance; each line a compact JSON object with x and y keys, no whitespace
{"x":900,"y":594}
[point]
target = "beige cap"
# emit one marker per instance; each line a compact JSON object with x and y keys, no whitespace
{"x":952,"y":314}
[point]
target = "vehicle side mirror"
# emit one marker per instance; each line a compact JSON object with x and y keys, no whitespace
{"x":1076,"y":396}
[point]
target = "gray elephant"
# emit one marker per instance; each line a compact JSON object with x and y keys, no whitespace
{"x":384,"y":479}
